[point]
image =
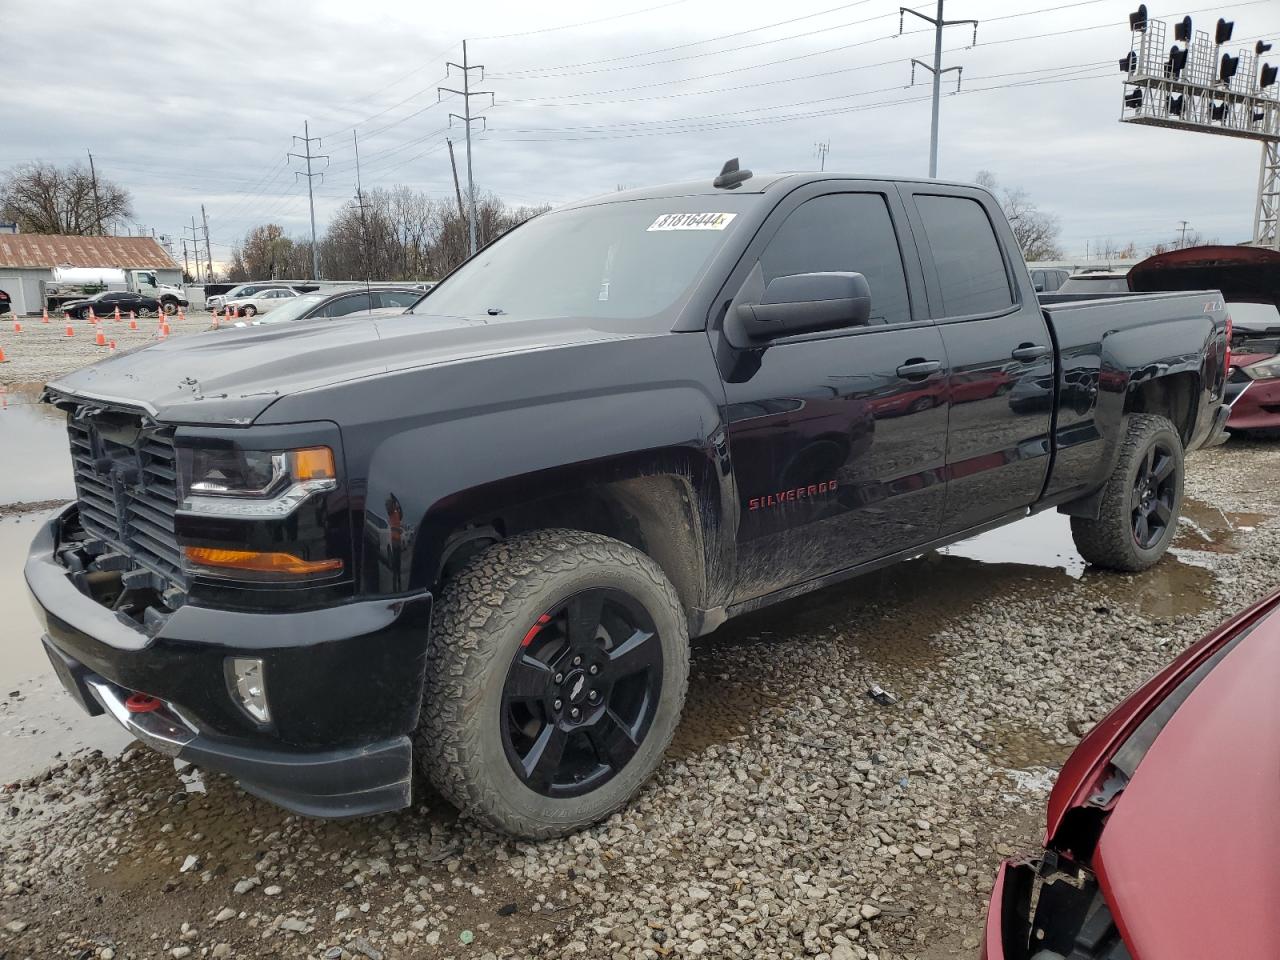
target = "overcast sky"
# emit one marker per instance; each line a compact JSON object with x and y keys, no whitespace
{"x":185,"y":107}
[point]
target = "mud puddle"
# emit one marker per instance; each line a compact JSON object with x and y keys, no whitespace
{"x":1212,"y":529}
{"x":33,"y":437}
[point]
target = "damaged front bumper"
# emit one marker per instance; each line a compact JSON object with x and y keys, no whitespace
{"x":345,"y":686}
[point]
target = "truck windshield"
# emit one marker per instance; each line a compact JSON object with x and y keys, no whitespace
{"x":624,"y":261}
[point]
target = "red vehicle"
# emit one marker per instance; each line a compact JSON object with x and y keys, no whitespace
{"x":1162,"y":836}
{"x":1249,"y":278}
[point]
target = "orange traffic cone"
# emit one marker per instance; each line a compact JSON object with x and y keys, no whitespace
{"x":44,"y":315}
{"x":116,"y":318}
{"x":17,"y":326}
{"x":133,"y":322}
{"x":70,"y":330}
{"x":215,"y":321}
{"x":112,"y":345}
{"x":164,"y":328}
{"x":3,"y":360}
{"x":182,"y":313}
{"x":93,"y":317}
{"x":226,"y":315}
{"x":101,"y":339}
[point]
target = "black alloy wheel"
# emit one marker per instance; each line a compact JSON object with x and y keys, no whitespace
{"x":581,"y":693}
{"x":1154,"y":493}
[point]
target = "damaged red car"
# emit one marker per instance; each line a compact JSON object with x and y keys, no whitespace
{"x":1249,"y":278}
{"x":1162,"y":840}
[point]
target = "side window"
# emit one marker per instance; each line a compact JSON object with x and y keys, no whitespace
{"x":345,"y":305}
{"x":844,"y":232}
{"x":970,"y":269}
{"x":397,"y":298}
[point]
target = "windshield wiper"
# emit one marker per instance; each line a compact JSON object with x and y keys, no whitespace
{"x":495,"y":311}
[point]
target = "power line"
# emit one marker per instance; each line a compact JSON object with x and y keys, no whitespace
{"x":583,"y":23}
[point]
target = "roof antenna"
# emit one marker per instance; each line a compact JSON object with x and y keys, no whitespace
{"x":730,"y":176}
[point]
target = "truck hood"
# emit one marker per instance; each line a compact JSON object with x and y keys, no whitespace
{"x":1187,"y":858}
{"x":231,"y":376}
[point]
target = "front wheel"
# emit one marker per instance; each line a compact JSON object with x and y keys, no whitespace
{"x":557,"y":670}
{"x":169,"y":308}
{"x":1141,"y":501}
{"x":250,"y":311}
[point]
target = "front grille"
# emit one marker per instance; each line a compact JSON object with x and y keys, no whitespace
{"x":127,"y":485}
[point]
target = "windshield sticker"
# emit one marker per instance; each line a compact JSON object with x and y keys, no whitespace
{"x":692,"y":221}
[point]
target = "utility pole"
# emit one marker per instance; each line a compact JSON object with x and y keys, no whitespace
{"x":936,"y":70}
{"x":97,"y":203}
{"x":823,"y":148}
{"x":307,"y":140}
{"x":207,"y":249}
{"x":195,"y":247}
{"x":1182,"y":239}
{"x":186,"y":267}
{"x":466,"y":93}
{"x":364,"y":228}
{"x":462,"y":213}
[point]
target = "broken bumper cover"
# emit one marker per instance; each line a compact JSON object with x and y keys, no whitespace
{"x":347,"y":687}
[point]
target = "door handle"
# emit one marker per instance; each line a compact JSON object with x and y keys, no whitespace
{"x":1030,"y":351}
{"x":915,"y":369}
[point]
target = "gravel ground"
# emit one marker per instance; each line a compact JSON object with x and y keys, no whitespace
{"x":795,"y":816}
{"x":43,"y":351}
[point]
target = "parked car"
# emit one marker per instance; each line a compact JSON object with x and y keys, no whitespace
{"x":479,"y":535}
{"x":1160,"y":835}
{"x":106,"y":303}
{"x":1094,"y":282}
{"x":261,"y":302}
{"x":380,"y":300}
{"x":6,"y":303}
{"x":1249,"y":278}
{"x":218,"y":302}
{"x":1048,"y":279}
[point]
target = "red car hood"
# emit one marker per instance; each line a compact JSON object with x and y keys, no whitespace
{"x":1188,"y":859}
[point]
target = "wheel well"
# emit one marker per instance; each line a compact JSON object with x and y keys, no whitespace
{"x":1173,"y":396}
{"x":656,"y":514}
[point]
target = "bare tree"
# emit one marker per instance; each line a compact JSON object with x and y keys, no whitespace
{"x":45,"y":198}
{"x":1036,"y":231}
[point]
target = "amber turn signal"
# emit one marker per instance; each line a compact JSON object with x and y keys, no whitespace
{"x":259,"y":561}
{"x":313,"y":463}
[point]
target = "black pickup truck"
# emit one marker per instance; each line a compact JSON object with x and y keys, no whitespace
{"x":479,"y":536}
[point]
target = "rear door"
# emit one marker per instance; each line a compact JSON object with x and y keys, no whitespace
{"x":837,"y":438}
{"x":1001,"y":377}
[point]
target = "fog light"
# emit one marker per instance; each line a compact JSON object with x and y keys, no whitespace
{"x":247,"y":682}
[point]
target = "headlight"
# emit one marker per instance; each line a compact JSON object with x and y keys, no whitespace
{"x":230,"y":482}
{"x":1263,"y":369}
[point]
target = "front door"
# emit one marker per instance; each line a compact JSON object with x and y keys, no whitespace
{"x":1002,"y":365}
{"x":837,"y":439}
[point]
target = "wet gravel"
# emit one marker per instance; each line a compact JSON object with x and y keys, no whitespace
{"x":796,"y":815}
{"x":43,"y":352}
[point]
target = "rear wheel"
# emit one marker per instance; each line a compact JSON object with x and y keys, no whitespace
{"x":145,"y":312}
{"x":1141,"y":501}
{"x":557,"y":671}
{"x":250,"y":311}
{"x":169,"y":308}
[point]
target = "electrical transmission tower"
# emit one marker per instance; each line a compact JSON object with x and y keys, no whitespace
{"x":937,"y":69}
{"x":307,"y":140}
{"x":823,"y":148}
{"x":195,"y":243}
{"x":466,"y":93}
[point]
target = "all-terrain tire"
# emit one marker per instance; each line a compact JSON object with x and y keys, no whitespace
{"x":1110,"y":540}
{"x":485,"y":611}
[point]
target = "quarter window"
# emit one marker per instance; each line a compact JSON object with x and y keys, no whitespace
{"x":966,"y":255}
{"x":844,"y":232}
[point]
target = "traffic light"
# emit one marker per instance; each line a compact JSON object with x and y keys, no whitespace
{"x":1133,"y":99}
{"x":1177,"y":61}
{"x":1223,"y":32}
{"x":1129,"y":62}
{"x":1138,"y":19}
{"x":1175,"y":105}
{"x":1268,"y":76}
{"x":1228,"y":68}
{"x":1182,"y":30}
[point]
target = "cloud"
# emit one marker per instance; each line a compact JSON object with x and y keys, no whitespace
{"x":190,"y":106}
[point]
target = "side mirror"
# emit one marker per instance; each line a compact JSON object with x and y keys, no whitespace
{"x":805,"y":303}
{"x":1039,"y":288}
